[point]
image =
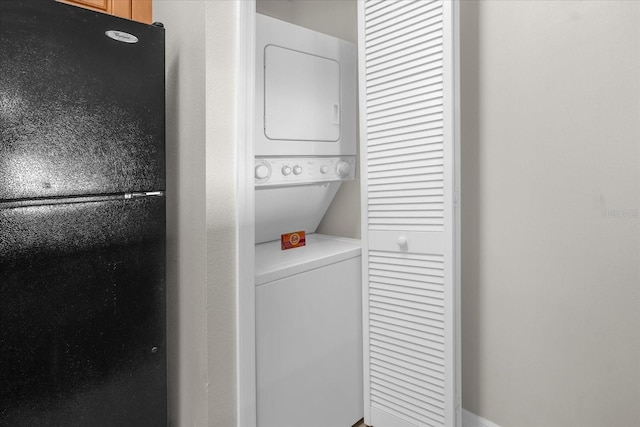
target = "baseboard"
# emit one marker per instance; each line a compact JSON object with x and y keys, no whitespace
{"x":472,"y":420}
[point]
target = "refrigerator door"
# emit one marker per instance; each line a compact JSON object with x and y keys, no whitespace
{"x":82,"y":313}
{"x":81,"y":111}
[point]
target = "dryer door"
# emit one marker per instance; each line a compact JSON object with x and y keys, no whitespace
{"x":305,"y":93}
{"x":301,"y":96}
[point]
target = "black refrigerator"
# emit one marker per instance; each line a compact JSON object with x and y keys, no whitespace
{"x":82,"y":218}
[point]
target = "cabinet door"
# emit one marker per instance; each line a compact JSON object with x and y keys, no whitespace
{"x":410,"y":218}
{"x":137,"y":10}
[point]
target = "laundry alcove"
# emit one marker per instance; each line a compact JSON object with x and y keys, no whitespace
{"x":409,"y":180}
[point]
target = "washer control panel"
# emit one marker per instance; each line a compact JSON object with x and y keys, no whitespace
{"x":303,"y":170}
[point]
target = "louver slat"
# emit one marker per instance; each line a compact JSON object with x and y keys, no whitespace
{"x":407,"y":195}
{"x":420,"y":112}
{"x":421,"y":36}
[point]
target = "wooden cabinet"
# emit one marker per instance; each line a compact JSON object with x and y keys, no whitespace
{"x":137,"y":10}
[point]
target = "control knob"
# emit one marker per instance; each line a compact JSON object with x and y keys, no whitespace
{"x":286,"y":170}
{"x":297,"y":170}
{"x":262,"y":171}
{"x":343,"y":169}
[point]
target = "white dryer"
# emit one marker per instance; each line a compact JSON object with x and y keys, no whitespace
{"x":305,"y":92}
{"x":305,"y":133}
{"x":309,"y":333}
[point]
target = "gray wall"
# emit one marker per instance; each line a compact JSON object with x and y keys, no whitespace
{"x":200,"y":70}
{"x":551,"y":185}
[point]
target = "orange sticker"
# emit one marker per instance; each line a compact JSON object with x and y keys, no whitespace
{"x":292,"y":240}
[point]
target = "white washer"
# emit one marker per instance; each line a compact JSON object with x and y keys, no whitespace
{"x":309,"y":333}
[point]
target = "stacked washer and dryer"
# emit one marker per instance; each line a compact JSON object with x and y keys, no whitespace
{"x":308,"y":299}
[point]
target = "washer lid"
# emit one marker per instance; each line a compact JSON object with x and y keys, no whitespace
{"x":272,"y":263}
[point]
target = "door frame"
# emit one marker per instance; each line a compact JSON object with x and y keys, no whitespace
{"x":245,"y":217}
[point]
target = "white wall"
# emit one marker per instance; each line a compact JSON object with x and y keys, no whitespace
{"x":200,"y":67}
{"x":221,"y":73}
{"x":550,"y":150}
{"x":186,"y":242}
{"x":337,"y":18}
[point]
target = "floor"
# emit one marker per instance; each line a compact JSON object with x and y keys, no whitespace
{"x":360,"y":424}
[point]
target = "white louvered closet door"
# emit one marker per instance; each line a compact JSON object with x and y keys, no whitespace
{"x":409,"y":154}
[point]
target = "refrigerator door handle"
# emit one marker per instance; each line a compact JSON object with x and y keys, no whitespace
{"x":143,"y":194}
{"x":20,"y":203}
